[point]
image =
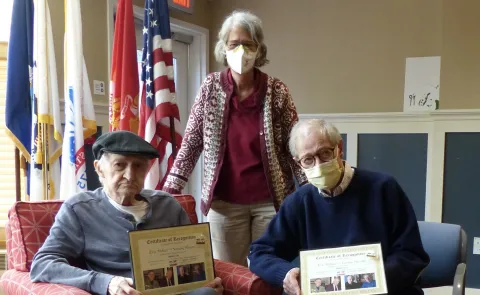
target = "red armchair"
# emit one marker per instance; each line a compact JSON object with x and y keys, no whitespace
{"x":29,"y":224}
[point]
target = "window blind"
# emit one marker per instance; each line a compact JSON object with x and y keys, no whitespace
{"x":7,"y":148}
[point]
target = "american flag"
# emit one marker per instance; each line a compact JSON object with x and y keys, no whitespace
{"x":157,"y":103}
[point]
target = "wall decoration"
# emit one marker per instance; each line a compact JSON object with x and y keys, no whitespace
{"x":422,"y":84}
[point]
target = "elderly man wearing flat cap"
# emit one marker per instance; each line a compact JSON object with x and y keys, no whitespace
{"x":92,"y":227}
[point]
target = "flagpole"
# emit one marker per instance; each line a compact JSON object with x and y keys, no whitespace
{"x":23,"y":166}
{"x":42,"y":147}
{"x":45,"y":159}
{"x":172,"y":134}
{"x":18,"y":195}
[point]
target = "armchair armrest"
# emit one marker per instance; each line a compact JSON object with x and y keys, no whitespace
{"x":16,"y":282}
{"x":239,"y":280}
{"x":459,"y":280}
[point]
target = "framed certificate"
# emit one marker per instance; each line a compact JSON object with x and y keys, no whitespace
{"x":346,"y":270}
{"x":171,"y":260}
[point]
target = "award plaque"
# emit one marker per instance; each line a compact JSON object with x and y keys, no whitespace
{"x":171,"y":260}
{"x":345,"y":270}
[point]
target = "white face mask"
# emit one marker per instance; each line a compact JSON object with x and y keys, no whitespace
{"x":241,"y":60}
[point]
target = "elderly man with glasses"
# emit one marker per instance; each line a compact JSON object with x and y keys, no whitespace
{"x":341,"y":206}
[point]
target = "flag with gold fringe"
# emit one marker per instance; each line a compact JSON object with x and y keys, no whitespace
{"x":46,"y":140}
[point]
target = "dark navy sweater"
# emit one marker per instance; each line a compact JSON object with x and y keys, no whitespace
{"x":372,"y":209}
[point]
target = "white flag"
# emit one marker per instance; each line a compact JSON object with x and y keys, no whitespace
{"x":79,"y":112}
{"x":46,"y":122}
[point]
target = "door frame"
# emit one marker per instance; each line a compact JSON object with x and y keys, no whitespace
{"x":198,"y":64}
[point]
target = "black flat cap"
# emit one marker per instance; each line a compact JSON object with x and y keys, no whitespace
{"x":123,"y":143}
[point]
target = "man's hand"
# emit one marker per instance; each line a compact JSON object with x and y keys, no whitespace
{"x":216,"y":284}
{"x":291,"y":284}
{"x":122,"y":286}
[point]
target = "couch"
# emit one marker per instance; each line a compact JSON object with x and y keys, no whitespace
{"x":29,"y":224}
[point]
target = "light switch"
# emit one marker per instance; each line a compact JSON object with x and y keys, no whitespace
{"x":98,"y":87}
{"x":476,"y":245}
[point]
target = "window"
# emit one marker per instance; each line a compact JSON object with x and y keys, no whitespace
{"x":5,"y":19}
{"x":7,"y":148}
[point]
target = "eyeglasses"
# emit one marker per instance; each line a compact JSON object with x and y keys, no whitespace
{"x":323,"y":155}
{"x":249,"y":45}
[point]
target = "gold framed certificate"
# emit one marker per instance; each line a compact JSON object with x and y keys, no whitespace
{"x":345,"y":270}
{"x":171,"y":260}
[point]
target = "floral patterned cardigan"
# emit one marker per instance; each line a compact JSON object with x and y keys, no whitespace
{"x":206,"y":129}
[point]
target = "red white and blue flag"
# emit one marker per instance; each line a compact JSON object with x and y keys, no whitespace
{"x":158,"y":103}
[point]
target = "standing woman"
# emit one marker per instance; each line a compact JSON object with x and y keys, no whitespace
{"x":241,"y":119}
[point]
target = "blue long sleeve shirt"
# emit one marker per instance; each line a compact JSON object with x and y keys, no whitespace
{"x":89,"y":229}
{"x":372,"y":209}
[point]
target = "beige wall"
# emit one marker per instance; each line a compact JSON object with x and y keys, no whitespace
{"x":335,"y":55}
{"x":460,"y":75}
{"x":94,"y":27}
{"x":340,"y":56}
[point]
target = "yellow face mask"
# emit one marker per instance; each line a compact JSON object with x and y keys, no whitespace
{"x":324,"y":175}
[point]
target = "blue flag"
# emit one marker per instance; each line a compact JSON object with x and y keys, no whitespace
{"x":18,"y":110}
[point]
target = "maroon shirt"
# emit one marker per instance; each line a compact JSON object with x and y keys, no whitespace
{"x":242,"y":177}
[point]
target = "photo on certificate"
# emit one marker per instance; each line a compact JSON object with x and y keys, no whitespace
{"x":345,"y":270}
{"x":171,"y":260}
